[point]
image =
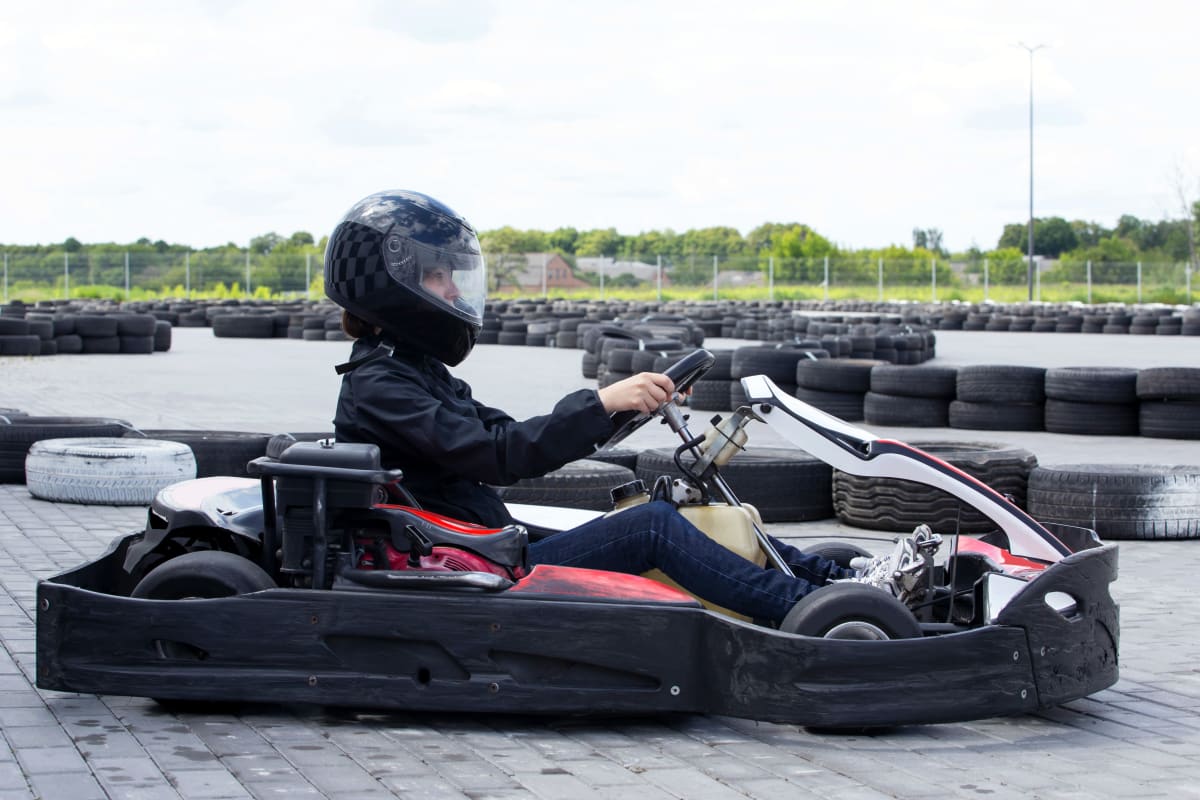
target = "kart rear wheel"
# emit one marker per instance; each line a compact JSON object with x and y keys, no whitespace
{"x":203,"y":574}
{"x":851,"y":611}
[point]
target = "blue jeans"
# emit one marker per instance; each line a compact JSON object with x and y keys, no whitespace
{"x":655,"y":535}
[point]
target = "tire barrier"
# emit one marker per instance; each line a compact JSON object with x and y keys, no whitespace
{"x":41,"y":332}
{"x":1119,"y":501}
{"x":105,"y":471}
{"x":585,"y":484}
{"x":21,"y":433}
{"x":892,"y":504}
{"x":216,"y":452}
{"x":783,"y":484}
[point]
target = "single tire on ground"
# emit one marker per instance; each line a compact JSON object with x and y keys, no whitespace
{"x":110,"y":471}
{"x":20,"y":434}
{"x":915,"y":381}
{"x":1001,"y":384}
{"x":996,"y":417}
{"x":1119,"y":501}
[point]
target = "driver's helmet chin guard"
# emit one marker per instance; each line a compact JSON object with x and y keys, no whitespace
{"x":408,"y":264}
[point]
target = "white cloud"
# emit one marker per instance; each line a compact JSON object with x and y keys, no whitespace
{"x":207,"y":122}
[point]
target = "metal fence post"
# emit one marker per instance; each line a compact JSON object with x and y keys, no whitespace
{"x":933,"y":279}
{"x":6,"y":277}
{"x":659,"y":276}
{"x":1139,"y":276}
{"x":126,"y":274}
{"x":308,"y":276}
{"x":1089,"y":281}
{"x":714,"y":277}
{"x":601,"y":277}
{"x":1187,"y":279}
{"x":1037,"y":279}
{"x":187,"y":274}
{"x":881,"y":279}
{"x":545,"y":263}
{"x":246,"y":291}
{"x":985,"y":279}
{"x":67,"y":276}
{"x":826,"y":277}
{"x":771,"y":278}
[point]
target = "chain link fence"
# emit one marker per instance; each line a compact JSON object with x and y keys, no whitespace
{"x":43,"y":273}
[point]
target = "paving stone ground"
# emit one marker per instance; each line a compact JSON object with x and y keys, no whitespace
{"x":1138,"y":739}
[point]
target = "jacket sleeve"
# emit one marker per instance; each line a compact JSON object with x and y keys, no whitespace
{"x":475,"y":441}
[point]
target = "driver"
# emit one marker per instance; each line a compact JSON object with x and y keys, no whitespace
{"x":409,"y":276}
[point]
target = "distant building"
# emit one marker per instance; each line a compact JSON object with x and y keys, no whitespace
{"x":529,"y":275}
{"x":611,"y":268}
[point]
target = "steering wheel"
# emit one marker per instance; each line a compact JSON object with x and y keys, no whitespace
{"x":683,"y":373}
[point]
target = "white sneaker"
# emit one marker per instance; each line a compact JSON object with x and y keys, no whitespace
{"x":884,"y":572}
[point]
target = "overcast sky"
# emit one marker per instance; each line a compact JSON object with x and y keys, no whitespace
{"x":207,"y":122}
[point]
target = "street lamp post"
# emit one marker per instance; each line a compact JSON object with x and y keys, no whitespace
{"x":1031,"y":51}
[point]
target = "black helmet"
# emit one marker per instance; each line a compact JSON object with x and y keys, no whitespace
{"x":405,"y":262}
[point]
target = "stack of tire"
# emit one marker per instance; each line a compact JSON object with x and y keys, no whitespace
{"x":999,"y":398}
{"x":836,"y":386}
{"x":21,"y":337}
{"x":1098,"y":401}
{"x":892,"y":504}
{"x":916,"y":396}
{"x":1169,"y":402}
{"x":118,"y":333}
{"x":777,"y":362}
{"x":217,"y":453}
{"x":713,"y":392}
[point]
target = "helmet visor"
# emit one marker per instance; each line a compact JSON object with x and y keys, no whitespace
{"x":456,"y":282}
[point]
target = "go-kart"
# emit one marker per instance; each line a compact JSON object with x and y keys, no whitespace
{"x":320,"y":581}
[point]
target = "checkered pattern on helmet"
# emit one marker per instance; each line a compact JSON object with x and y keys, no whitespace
{"x":356,"y":268}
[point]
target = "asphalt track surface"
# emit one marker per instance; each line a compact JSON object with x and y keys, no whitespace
{"x":1139,"y":739}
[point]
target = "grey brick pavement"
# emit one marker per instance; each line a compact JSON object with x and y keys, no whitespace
{"x":1140,"y":739}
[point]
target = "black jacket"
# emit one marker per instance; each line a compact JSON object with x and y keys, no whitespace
{"x":450,"y":446}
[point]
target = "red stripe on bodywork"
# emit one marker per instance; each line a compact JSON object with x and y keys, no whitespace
{"x":600,"y":584}
{"x":449,"y":523}
{"x":1013,"y":565}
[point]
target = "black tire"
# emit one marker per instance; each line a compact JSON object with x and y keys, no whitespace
{"x":243,"y":326}
{"x":1119,"y":501}
{"x":622,"y":456}
{"x":1091,"y":419}
{"x":996,"y":417}
{"x":217,"y":452}
{"x":135,"y":324}
{"x":892,"y":504}
{"x":1092,"y":384}
{"x":101,"y":345}
{"x":203,"y":574}
{"x":844,"y":405}
{"x":711,"y":395}
{"x":784,"y":485}
{"x":851,"y":611}
{"x":137,"y":345}
{"x":95,"y":326}
{"x":282,"y":441}
{"x":162,"y":336}
{"x":778,"y":364}
{"x":19,"y":435}
{"x":918,"y":412}
{"x":20,"y":345}
{"x":69,"y":343}
{"x":915,"y":381}
{"x":1169,"y":419}
{"x":1001,"y":384}
{"x":836,"y":375}
{"x":585,"y":483}
{"x":840,"y":553}
{"x":1169,"y":383}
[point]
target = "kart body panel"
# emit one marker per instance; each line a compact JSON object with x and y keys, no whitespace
{"x":560,"y":653}
{"x":569,"y":641}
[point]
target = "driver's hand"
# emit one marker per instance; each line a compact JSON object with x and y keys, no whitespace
{"x":643,"y":393}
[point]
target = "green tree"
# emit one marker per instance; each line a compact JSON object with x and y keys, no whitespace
{"x":301,"y":238}
{"x":265,"y":243}
{"x":600,"y":242}
{"x":1053,"y":236}
{"x":563,"y":240}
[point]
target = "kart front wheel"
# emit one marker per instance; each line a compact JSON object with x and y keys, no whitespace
{"x":203,"y":574}
{"x":851,"y":611}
